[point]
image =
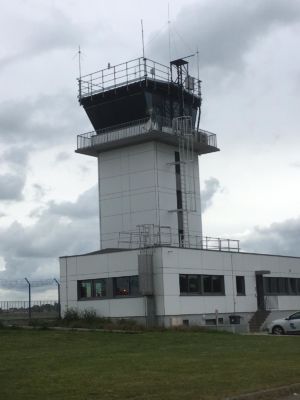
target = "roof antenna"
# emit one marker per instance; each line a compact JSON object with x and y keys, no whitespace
{"x":79,"y":61}
{"x":169,"y":31}
{"x":143,"y":38}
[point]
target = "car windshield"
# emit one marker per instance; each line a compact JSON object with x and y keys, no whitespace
{"x":295,"y":316}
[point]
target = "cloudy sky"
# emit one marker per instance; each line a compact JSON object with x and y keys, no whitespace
{"x":250,"y":67}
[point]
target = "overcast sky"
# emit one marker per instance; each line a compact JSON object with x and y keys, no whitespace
{"x":250,"y":67}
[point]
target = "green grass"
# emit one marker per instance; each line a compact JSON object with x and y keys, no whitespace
{"x":42,"y":364}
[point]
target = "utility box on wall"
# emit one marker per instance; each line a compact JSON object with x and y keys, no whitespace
{"x":145,"y":265}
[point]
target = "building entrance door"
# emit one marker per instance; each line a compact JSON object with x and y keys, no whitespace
{"x":260,"y":293}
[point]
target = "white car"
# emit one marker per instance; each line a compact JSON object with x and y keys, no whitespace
{"x":289,"y":325}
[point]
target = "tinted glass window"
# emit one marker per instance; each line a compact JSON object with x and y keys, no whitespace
{"x":183,"y":283}
{"x":240,"y":285}
{"x":295,"y":316}
{"x":100,"y":287}
{"x":134,"y":285}
{"x":84,"y":289}
{"x":293,"y":285}
{"x":194,"y":286}
{"x":121,"y":286}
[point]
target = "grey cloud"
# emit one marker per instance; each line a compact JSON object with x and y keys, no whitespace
{"x":40,"y":36}
{"x":47,"y":119}
{"x":34,"y":250}
{"x":211,"y":187}
{"x":62,"y":156}
{"x":16,"y":156}
{"x":86,"y":206}
{"x":281,"y":238}
{"x":224,"y":31}
{"x":39,"y":191}
{"x":11,"y":186}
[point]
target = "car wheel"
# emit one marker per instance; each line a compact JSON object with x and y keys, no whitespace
{"x":278,"y":330}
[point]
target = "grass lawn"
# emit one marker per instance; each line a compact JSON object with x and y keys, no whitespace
{"x":41,"y":364}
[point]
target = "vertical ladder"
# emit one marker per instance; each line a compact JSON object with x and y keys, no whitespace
{"x":187,"y":174}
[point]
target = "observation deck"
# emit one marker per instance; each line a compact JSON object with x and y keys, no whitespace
{"x":139,"y":70}
{"x":140,"y":101}
{"x":140,"y":131}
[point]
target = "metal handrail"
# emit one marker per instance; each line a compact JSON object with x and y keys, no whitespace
{"x":138,"y":127}
{"x":135,"y":70}
{"x":137,"y":239}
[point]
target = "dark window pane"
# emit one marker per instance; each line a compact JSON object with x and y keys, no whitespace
{"x":295,"y":316}
{"x":298,"y":285}
{"x":177,"y":161}
{"x":100,"y":288}
{"x":84,"y":289}
{"x":194,"y":283}
{"x":283,"y":286}
{"x":207,"y":284}
{"x":121,"y":286}
{"x":217,"y":284}
{"x":293,"y":285}
{"x":134,"y":285}
{"x":240,"y":285}
{"x":183,"y":283}
{"x":273,"y":285}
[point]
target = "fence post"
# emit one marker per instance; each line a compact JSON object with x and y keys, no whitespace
{"x":58,"y":290}
{"x":29,"y":298}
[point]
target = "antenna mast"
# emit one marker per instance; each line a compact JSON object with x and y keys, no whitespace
{"x":169,"y":31}
{"x":143,"y":38}
{"x":79,"y":61}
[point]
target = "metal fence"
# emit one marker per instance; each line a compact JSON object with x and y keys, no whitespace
{"x":140,"y":127}
{"x":30,"y":308}
{"x":132,"y":71}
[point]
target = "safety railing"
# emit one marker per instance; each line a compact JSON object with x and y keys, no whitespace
{"x":136,"y":70}
{"x":136,"y":239}
{"x":139,"y":127}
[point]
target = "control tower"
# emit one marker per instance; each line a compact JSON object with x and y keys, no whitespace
{"x":147,"y":141}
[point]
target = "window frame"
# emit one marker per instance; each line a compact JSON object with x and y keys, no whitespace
{"x":201,"y":285}
{"x":243,"y":285}
{"x":109,"y":288}
{"x":281,"y":286}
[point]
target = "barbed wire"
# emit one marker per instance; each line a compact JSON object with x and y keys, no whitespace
{"x":23,"y":283}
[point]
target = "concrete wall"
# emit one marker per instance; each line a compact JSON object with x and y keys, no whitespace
{"x":96,"y":266}
{"x":186,"y":261}
{"x":137,"y":185}
{"x":168,"y":263}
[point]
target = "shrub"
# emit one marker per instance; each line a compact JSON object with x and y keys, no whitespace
{"x":89,"y":315}
{"x":71,"y":315}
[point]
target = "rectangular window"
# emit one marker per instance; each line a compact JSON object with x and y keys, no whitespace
{"x":100,"y":287}
{"x":84,"y":289}
{"x":201,"y":284}
{"x":126,"y":286}
{"x":213,"y":284}
{"x":108,"y":287}
{"x":293,"y":285}
{"x":282,"y":286}
{"x":240,"y":285}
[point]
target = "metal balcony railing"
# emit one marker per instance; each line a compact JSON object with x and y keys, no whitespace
{"x":137,"y":239}
{"x":139,"y":127}
{"x":137,"y":70}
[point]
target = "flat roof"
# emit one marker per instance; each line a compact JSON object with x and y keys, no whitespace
{"x":115,"y":250}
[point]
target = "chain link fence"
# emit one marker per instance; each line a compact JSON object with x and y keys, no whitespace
{"x":19,"y":310}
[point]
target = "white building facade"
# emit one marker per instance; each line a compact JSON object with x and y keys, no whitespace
{"x":191,"y":286}
{"x":154,"y":264}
